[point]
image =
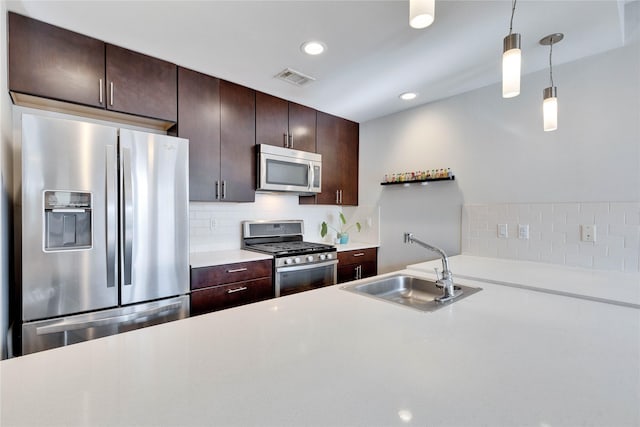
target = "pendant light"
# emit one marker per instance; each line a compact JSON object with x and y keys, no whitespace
{"x":550,"y":94}
{"x":421,"y":13}
{"x":511,"y":60}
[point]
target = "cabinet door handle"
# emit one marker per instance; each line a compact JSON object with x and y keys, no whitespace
{"x":237,"y":270}
{"x":111,"y":93}
{"x":337,"y":197}
{"x":285,"y":144}
{"x":217,"y":189}
{"x":291,"y":141}
{"x":224,"y":189}
{"x":101,"y":92}
{"x":340,"y":196}
{"x":233,"y":291}
{"x":359,"y":254}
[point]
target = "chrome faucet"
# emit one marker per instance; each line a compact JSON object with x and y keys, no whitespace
{"x":446,"y":279}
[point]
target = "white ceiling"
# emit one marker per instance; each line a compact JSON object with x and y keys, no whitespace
{"x":373,"y":55}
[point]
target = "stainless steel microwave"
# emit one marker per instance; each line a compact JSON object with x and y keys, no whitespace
{"x":286,"y":170}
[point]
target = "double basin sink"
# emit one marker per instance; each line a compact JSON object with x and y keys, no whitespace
{"x":407,"y":290}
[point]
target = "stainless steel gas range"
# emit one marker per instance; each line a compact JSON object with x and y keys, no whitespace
{"x":298,"y":265}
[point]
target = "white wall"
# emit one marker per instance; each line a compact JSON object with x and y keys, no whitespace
{"x":5,"y":183}
{"x":500,"y":154}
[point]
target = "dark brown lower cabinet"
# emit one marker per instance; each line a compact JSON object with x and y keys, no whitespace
{"x":230,"y":285}
{"x":230,"y":295}
{"x":354,"y":265}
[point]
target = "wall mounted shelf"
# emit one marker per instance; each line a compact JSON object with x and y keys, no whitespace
{"x":419,"y":181}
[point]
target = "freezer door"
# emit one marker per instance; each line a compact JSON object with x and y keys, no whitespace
{"x":69,"y":217}
{"x":154,"y":216}
{"x":52,"y":333}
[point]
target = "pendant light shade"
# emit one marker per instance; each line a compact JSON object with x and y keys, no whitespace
{"x":421,"y":13}
{"x":511,"y":60}
{"x":550,"y":94}
{"x":550,"y":108}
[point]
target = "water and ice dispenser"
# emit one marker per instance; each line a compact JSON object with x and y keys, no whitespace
{"x":67,"y":222}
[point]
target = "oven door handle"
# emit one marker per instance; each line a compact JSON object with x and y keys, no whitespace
{"x":306,"y":266}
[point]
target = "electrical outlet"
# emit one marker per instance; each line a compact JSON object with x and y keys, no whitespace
{"x":213,"y":224}
{"x":523,"y":231}
{"x":588,"y":233}
{"x":503,"y":231}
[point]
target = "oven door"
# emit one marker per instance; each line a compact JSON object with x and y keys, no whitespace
{"x":299,"y":278}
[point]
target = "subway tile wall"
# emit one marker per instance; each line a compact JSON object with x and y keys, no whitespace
{"x":555,"y":233}
{"x":217,"y":226}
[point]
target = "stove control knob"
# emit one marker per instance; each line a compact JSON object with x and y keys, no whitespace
{"x":323,"y":257}
{"x":329,"y":256}
{"x":297,"y":260}
{"x":288,"y":261}
{"x":310,"y":258}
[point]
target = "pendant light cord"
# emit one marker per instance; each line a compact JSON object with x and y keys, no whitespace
{"x":513,"y":10}
{"x":550,"y":64}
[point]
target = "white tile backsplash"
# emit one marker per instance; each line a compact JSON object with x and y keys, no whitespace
{"x":217,"y":226}
{"x":554,"y":233}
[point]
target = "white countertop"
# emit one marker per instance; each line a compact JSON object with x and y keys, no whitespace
{"x":596,"y":284}
{"x":355,"y":246}
{"x":213,"y":258}
{"x":501,"y":357}
{"x":207,"y":259}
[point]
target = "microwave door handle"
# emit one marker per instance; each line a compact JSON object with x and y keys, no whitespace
{"x":312,"y":177}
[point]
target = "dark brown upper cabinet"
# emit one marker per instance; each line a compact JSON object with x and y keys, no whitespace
{"x":140,"y":84}
{"x":284,"y":123}
{"x":338,"y":143}
{"x":52,"y":62}
{"x":49,"y":62}
{"x":199,"y":121}
{"x":237,"y":143}
{"x":218,"y":118}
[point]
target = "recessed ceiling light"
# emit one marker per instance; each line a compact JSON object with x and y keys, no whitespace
{"x":408,"y":96}
{"x":313,"y":47}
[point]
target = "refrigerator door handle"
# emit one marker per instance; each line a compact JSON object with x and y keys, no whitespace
{"x":65,"y":325}
{"x":111,"y":205}
{"x":127,"y":214}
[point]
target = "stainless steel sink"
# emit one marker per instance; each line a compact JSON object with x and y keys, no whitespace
{"x":408,"y":291}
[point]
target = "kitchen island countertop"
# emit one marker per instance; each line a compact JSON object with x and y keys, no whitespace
{"x":602,"y":285}
{"x":501,"y":357}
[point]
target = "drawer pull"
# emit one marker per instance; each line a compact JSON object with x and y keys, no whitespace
{"x":237,"y":270}
{"x":232,"y":291}
{"x":359,"y":254}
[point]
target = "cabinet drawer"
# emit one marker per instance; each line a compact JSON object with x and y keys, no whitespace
{"x":358,"y":257}
{"x":230,"y":295}
{"x":229,"y":273}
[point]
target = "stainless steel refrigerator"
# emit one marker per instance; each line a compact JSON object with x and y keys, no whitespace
{"x":104,"y":224}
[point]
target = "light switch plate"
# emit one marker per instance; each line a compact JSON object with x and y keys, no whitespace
{"x":503,"y":231}
{"x":588,"y":233}
{"x":523,"y":231}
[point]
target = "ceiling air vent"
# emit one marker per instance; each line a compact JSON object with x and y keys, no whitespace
{"x":294,"y":77}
